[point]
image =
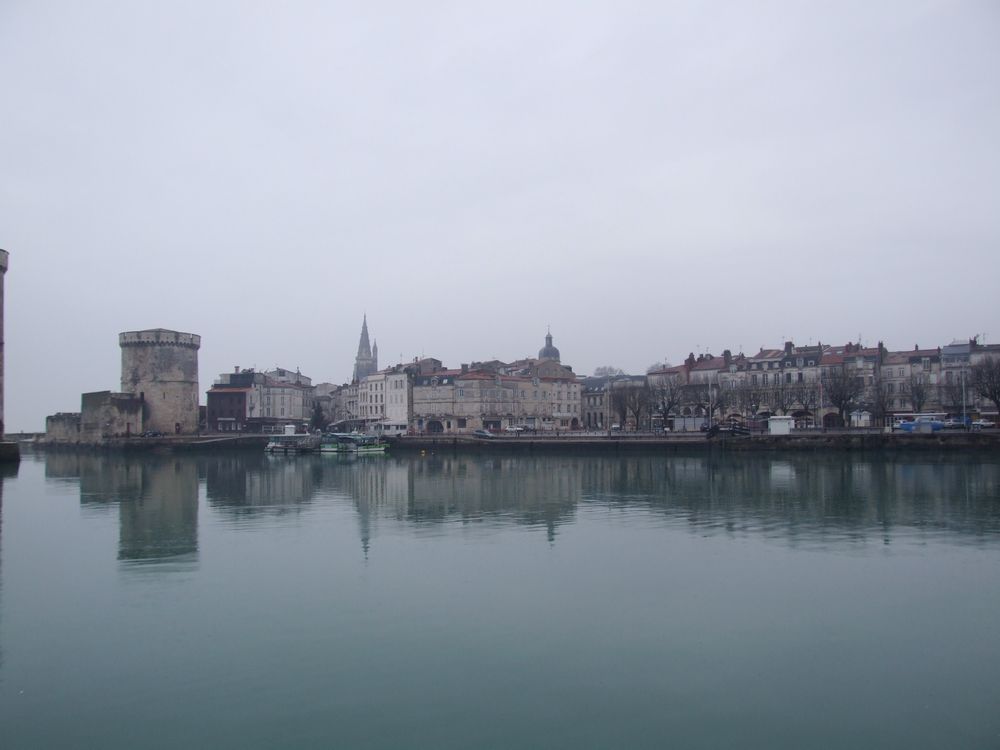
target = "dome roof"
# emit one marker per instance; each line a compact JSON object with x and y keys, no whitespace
{"x":548,"y":351}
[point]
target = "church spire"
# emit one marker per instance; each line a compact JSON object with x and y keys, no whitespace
{"x":364,"y":348}
{"x":364,"y":363}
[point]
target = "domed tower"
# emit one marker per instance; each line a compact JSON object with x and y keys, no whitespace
{"x":548,"y":351}
{"x":161,"y":367}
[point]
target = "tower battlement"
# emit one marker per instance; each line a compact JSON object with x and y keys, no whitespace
{"x":159,"y":337}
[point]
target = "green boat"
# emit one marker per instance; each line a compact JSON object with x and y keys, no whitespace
{"x":352,"y":443}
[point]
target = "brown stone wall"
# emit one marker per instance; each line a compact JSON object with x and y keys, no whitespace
{"x":106,"y":415}
{"x":63,"y":427}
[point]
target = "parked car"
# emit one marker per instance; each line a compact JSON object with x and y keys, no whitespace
{"x":982,"y":424}
{"x":514,"y":429}
{"x":482,"y":433}
{"x":957,"y":424}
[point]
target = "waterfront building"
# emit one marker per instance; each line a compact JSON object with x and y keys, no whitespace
{"x":910,"y":381}
{"x":533,"y":393}
{"x":252,"y":401}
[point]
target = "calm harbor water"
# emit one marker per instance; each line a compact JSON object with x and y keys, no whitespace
{"x":452,"y":601}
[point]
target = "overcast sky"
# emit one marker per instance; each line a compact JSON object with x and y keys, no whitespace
{"x":648,"y":178}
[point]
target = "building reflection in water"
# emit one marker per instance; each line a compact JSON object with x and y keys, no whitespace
{"x":800,"y":498}
{"x":156,"y":498}
{"x":795,"y":497}
{"x":243,"y":485}
{"x":438,"y":489}
{"x":805,"y":496}
{"x":6,"y":471}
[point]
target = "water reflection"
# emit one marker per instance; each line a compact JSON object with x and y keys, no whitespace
{"x":156,"y":498}
{"x":245,"y":485}
{"x":807,"y":497}
{"x":430,"y":490}
{"x":796,"y":498}
{"x":6,"y":471}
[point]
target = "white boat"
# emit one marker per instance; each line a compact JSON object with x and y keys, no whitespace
{"x":292,"y":444}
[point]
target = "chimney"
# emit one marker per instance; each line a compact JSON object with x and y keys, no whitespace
{"x":690,"y":360}
{"x":465,"y":369}
{"x":788,"y":347}
{"x":728,"y":356}
{"x":236,"y":370}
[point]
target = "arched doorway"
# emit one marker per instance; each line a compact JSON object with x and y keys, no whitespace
{"x":575,"y":424}
{"x":435,"y":427}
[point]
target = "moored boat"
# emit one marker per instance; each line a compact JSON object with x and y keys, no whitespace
{"x":292,"y":444}
{"x":352,"y":443}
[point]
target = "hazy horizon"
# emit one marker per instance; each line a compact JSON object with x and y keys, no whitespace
{"x":647,"y":179}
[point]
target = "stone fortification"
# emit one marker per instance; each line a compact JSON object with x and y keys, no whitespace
{"x":63,"y":427}
{"x":3,"y":272}
{"x":160,"y":367}
{"x":105,"y":415}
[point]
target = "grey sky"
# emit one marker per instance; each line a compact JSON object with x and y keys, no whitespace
{"x":648,"y":178}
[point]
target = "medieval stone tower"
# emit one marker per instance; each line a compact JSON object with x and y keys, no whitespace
{"x":161,"y":368}
{"x":3,"y":272}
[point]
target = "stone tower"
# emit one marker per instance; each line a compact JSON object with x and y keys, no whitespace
{"x":3,"y":272}
{"x":161,"y":368}
{"x":366,"y":362}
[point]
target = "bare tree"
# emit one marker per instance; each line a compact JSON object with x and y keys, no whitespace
{"x":749,"y":397}
{"x":842,"y":389}
{"x":876,"y":400}
{"x":807,"y":396}
{"x":608,"y":371}
{"x":986,"y":380}
{"x":719,"y":399}
{"x":952,"y":397}
{"x":618,"y":400}
{"x":917,"y":391}
{"x":637,"y":400}
{"x":666,"y":395}
{"x":781,"y":397}
{"x":697,"y":396}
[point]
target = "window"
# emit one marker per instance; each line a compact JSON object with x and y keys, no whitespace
{"x":800,"y":377}
{"x":461,"y":424}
